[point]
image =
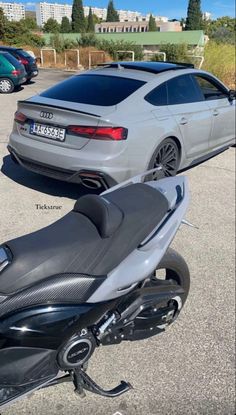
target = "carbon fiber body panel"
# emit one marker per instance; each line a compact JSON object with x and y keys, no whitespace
{"x":63,"y":288}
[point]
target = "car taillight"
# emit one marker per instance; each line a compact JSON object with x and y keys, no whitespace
{"x":99,"y":133}
{"x":20,"y":117}
{"x":23,"y":61}
{"x":16,"y":72}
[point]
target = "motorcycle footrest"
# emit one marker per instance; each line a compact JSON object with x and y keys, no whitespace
{"x":85,"y":382}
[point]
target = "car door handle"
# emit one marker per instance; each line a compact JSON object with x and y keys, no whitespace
{"x":215,"y":113}
{"x":183,"y":121}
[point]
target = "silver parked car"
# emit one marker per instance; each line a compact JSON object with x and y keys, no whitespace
{"x":111,"y":123}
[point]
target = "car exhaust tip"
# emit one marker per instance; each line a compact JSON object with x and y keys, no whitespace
{"x":93,"y":184}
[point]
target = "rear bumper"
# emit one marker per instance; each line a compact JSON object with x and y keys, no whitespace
{"x":69,"y":164}
{"x":19,"y":80}
{"x":32,"y":74}
{"x":22,"y":80}
{"x":62,"y":174}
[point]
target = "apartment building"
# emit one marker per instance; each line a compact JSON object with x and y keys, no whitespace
{"x":45,"y":11}
{"x":13,"y":11}
{"x":56,"y":11}
{"x":100,"y":13}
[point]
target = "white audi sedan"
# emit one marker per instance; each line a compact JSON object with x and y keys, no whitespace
{"x":103,"y":126}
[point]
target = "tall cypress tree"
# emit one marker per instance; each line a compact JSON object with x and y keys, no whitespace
{"x":194,"y":16}
{"x":90,"y":28}
{"x":152,"y":27}
{"x":3,"y":23}
{"x":112,"y":15}
{"x":77,"y":17}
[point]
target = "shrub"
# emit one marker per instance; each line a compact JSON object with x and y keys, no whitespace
{"x":17,"y":34}
{"x":58,"y":42}
{"x":174,"y":53}
{"x":112,"y":47}
{"x":88,"y":39}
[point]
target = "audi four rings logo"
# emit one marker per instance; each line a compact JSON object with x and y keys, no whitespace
{"x":47,"y":115}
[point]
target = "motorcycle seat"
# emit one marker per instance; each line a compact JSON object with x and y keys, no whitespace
{"x":92,"y":239}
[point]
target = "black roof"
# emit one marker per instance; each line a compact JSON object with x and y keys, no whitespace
{"x":152,"y":67}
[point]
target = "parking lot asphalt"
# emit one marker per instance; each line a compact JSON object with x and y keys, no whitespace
{"x":190,"y":368}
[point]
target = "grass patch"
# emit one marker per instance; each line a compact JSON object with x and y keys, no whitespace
{"x":220,"y":60}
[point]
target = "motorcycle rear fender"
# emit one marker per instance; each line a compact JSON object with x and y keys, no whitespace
{"x":141,"y":263}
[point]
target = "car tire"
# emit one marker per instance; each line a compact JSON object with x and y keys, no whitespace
{"x":167,"y":155}
{"x":27,"y":81}
{"x":6,"y":86}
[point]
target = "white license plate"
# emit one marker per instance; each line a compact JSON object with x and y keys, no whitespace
{"x":35,"y":73}
{"x":48,"y":131}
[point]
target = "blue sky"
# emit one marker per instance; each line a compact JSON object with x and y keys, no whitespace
{"x":172,"y":9}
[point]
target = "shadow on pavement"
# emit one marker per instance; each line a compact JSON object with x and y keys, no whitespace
{"x":18,"y":89}
{"x":41,"y":183}
{"x":29,"y":83}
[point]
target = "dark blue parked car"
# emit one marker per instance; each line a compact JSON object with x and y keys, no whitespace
{"x":25,"y":58}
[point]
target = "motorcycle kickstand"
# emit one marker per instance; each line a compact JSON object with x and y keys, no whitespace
{"x":83,"y":381}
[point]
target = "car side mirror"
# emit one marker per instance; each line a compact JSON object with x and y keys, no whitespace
{"x":232,"y":94}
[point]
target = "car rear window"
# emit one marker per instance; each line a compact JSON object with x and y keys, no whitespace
{"x":23,"y":54}
{"x":11,"y":59}
{"x":101,"y":90}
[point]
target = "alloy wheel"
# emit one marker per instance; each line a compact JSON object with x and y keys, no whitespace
{"x":167,"y":158}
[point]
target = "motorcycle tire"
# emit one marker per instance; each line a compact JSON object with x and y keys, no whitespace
{"x":175,"y":268}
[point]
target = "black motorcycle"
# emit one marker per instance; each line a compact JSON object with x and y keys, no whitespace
{"x":90,"y":279}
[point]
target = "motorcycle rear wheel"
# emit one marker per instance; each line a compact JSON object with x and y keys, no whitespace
{"x":173,"y":267}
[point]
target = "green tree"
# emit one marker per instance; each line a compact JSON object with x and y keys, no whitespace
{"x":78,"y":18}
{"x":3,"y":23}
{"x":65,"y":25}
{"x":112,"y":15}
{"x":51,"y":26}
{"x":14,"y":30}
{"x":30,"y":23}
{"x":91,"y":26}
{"x":194,"y":15}
{"x":152,"y":27}
{"x":96,"y":19}
{"x":221,"y":30}
{"x":17,"y":34}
